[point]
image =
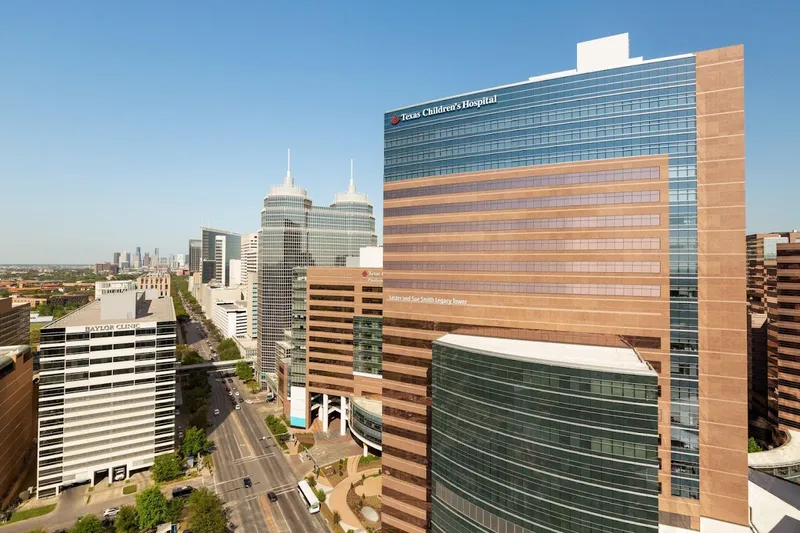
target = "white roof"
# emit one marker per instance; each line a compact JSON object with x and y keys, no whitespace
{"x":786,"y":455}
{"x":601,"y":358}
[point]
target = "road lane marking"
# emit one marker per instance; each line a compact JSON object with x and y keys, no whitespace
{"x":270,"y":521}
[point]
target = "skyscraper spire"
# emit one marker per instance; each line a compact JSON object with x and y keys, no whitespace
{"x":352,"y":186}
{"x":288,"y":180}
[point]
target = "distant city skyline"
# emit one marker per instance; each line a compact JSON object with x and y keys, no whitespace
{"x":147,"y":144}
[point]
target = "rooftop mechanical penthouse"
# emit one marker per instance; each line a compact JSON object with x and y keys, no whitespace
{"x":606,"y":200}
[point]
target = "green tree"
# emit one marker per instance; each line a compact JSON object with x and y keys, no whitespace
{"x":152,"y":508}
{"x":199,"y":417}
{"x":174,"y":510}
{"x":195,"y":442}
{"x":752,"y":446}
{"x":206,"y":514}
{"x":228,"y":351}
{"x":243,"y":371}
{"x":191,"y":358}
{"x":87,"y":524}
{"x":127,"y":520}
{"x":165,"y":467}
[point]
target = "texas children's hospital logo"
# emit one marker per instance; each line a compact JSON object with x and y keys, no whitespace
{"x":438,"y":110}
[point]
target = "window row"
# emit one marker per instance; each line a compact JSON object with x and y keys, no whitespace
{"x":573,"y":178}
{"x":643,"y":267}
{"x":646,"y":243}
{"x":593,"y":289}
{"x":608,"y":221}
{"x":541,"y":202}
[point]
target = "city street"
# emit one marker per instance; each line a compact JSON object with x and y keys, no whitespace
{"x":241,"y":453}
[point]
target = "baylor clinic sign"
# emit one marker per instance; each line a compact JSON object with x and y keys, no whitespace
{"x":438,"y":110}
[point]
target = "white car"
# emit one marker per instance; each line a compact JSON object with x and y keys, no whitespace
{"x":238,"y":407}
{"x":248,"y":401}
{"x":237,"y":393}
{"x":111,"y":512}
{"x":216,"y":411}
{"x":231,"y":393}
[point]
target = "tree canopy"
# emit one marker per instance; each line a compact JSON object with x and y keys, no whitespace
{"x":195,"y":442}
{"x":152,"y":508}
{"x":191,"y":357}
{"x":165,"y":467}
{"x":228,"y":351}
{"x":87,"y":524}
{"x":127,"y":520}
{"x":206,"y":514}
{"x":243,"y":371}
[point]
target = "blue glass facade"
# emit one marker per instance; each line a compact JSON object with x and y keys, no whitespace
{"x":643,"y":109}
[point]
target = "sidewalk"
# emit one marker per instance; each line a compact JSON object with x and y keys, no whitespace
{"x":337,"y":500}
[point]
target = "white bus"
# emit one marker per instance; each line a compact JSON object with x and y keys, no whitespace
{"x":308,"y":496}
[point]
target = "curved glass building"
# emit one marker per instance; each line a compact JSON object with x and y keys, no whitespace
{"x":296,"y":233}
{"x":532,"y":436}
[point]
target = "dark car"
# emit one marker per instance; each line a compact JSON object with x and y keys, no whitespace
{"x":182,"y":492}
{"x":271,"y":496}
{"x":230,"y":380}
{"x":247,"y":483}
{"x":241,"y":400}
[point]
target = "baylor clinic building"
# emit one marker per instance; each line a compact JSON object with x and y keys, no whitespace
{"x":599,"y":208}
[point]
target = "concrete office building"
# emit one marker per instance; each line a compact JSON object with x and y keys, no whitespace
{"x":592,"y":407}
{"x":249,"y":278}
{"x":157,"y":281}
{"x":220,"y":246}
{"x":14,"y":322}
{"x":107,"y":390}
{"x":296,"y":233}
{"x":230,"y":317}
{"x":17,"y":418}
{"x":249,"y":255}
{"x":576,"y":202}
{"x":235,"y":272}
{"x":195,"y":253}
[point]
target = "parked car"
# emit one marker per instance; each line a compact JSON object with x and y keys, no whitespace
{"x":119,"y":477}
{"x":248,"y":401}
{"x":111,"y":512}
{"x":271,"y":496}
{"x":247,"y":483}
{"x":241,"y":400}
{"x":237,"y":393}
{"x":238,"y":407}
{"x":180,"y":492}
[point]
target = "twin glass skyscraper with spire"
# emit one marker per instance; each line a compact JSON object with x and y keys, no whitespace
{"x":296,"y":233}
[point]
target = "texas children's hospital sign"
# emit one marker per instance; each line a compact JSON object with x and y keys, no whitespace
{"x":438,"y":110}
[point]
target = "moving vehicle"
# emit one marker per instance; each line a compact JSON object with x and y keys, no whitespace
{"x":271,"y":496}
{"x":228,"y":389}
{"x":230,"y":393}
{"x":310,"y":499}
{"x":238,"y":407}
{"x":237,"y":393}
{"x":111,"y":512}
{"x":180,"y":492}
{"x":241,"y":400}
{"x":247,"y":483}
{"x":216,"y":411}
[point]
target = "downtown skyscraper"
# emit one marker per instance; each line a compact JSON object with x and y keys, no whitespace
{"x":564,"y":337}
{"x":296,"y":233}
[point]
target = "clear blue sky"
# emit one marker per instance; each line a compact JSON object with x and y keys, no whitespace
{"x":130,"y":123}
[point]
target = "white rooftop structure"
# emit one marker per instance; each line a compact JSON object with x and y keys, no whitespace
{"x":351,"y":195}
{"x":113,"y":287}
{"x":288,"y":188}
{"x":592,"y":56}
{"x":600,"y":358}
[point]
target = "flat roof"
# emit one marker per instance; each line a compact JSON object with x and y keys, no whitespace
{"x":786,"y":455}
{"x":373,"y":406}
{"x":600,"y":358}
{"x":156,"y":310}
{"x":9,"y":354}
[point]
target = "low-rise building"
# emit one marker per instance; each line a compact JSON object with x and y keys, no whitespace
{"x":230,"y":317}
{"x":14,"y":322}
{"x":157,"y":281}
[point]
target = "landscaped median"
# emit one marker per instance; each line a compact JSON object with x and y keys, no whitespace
{"x":26,"y":514}
{"x":278,"y":429}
